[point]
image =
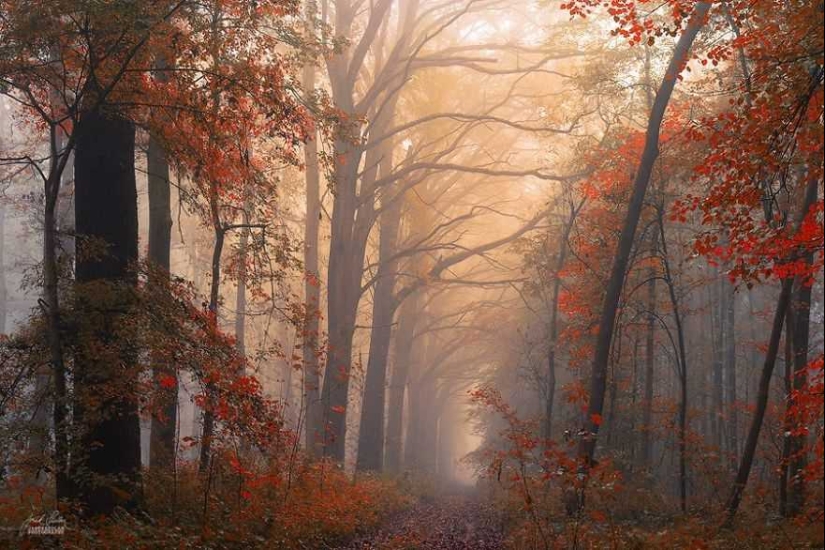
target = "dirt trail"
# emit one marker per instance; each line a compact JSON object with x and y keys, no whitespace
{"x":451,"y":522}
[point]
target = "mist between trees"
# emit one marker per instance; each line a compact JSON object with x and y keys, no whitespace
{"x":279,"y":273}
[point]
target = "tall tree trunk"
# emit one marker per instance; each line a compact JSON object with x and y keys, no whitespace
{"x":240,"y":293}
{"x":553,"y":329}
{"x":801,"y":315}
{"x":783,"y":302}
{"x":344,"y":289}
{"x":163,"y":442}
{"x":717,"y":385}
{"x":650,"y":358}
{"x":404,"y":337}
{"x":107,"y":465}
{"x":4,"y":304}
{"x":787,"y":426}
{"x":312,"y":284}
{"x":729,"y":348}
{"x":622,"y":256}
{"x":683,"y":366}
{"x":371,"y":434}
{"x":208,"y":431}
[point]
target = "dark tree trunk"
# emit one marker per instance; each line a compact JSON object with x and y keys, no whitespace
{"x":107,"y":461}
{"x":344,"y":289}
{"x":761,"y":401}
{"x":615,"y":284}
{"x":163,"y":442}
{"x":801,"y":328}
{"x":208,"y":431}
{"x":782,"y":305}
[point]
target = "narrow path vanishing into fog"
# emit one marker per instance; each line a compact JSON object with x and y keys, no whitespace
{"x":454,"y":522}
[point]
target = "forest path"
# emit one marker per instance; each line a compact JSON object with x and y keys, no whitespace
{"x":451,"y":522}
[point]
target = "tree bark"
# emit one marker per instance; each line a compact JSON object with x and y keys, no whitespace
{"x":106,"y":464}
{"x":208,"y":430}
{"x":729,"y":339}
{"x":553,"y":329}
{"x":787,"y":426}
{"x":683,"y":367}
{"x":650,"y":358}
{"x":404,"y":337}
{"x":801,"y":315}
{"x":312,"y":284}
{"x":371,"y":434}
{"x":163,"y":442}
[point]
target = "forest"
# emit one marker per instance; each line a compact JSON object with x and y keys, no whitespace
{"x":412,"y":274}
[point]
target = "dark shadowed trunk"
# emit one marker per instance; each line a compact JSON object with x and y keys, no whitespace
{"x":163,"y":441}
{"x":214,"y":304}
{"x":346,"y":259}
{"x":801,"y":328}
{"x":107,"y":461}
{"x":762,"y":396}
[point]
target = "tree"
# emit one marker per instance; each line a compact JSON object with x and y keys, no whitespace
{"x":620,"y":261}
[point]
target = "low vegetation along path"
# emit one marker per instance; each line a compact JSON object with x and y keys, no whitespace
{"x":450,"y":522}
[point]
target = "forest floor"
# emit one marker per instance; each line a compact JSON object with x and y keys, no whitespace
{"x":455,"y":522}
